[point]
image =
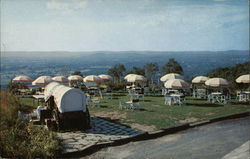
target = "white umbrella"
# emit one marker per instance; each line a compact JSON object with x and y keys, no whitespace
{"x":176,"y":83}
{"x":217,"y":82}
{"x":129,"y":75}
{"x":136,"y":78}
{"x":61,"y":79}
{"x":75,"y":78}
{"x":105,"y":77}
{"x":171,"y":76}
{"x":243,"y":79}
{"x":42,"y":80}
{"x":92,"y":78}
{"x":200,"y":79}
{"x":22,"y":78}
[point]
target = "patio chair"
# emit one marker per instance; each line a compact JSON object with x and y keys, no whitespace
{"x":238,"y":94}
{"x":140,"y":96}
{"x":95,"y":102}
{"x":225,"y":99}
{"x":168,"y":100}
{"x":243,"y":97}
{"x":133,"y":95}
{"x":178,"y":100}
{"x":133,"y":104}
{"x":194,"y":93}
{"x":163,"y":91}
{"x":123,"y":104}
{"x":210,"y":98}
{"x":146,"y":91}
{"x":201,"y":93}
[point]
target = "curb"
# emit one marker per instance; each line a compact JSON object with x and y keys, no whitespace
{"x":151,"y":135}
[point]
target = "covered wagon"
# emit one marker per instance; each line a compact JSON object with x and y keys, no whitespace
{"x":66,"y":107}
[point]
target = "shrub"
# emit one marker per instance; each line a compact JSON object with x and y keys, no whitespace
{"x":8,"y":109}
{"x":28,"y":141}
{"x":117,"y":86}
{"x":19,"y":138}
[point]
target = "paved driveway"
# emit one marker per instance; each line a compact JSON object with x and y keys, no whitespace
{"x":209,"y":141}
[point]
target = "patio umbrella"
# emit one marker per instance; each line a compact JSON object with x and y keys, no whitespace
{"x":92,"y":78}
{"x":22,"y":78}
{"x":171,"y":76}
{"x":136,"y":78}
{"x":217,"y":82}
{"x":200,"y":79}
{"x":75,"y":78}
{"x":176,"y":83}
{"x":243,"y":79}
{"x":42,"y":80}
{"x":61,"y":79}
{"x":105,"y":77}
{"x":129,"y":75}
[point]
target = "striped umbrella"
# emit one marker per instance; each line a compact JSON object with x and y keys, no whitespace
{"x":42,"y":80}
{"x":171,"y":76}
{"x":217,"y":82}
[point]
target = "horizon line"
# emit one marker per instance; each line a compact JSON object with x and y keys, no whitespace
{"x":134,"y":51}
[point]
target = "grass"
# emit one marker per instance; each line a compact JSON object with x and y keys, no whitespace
{"x":154,"y":112}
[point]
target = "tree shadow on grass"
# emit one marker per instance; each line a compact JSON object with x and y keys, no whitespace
{"x":143,"y":109}
{"x":147,"y":100}
{"x":241,"y":103}
{"x":103,"y":106}
{"x":119,"y":95}
{"x":204,"y":105}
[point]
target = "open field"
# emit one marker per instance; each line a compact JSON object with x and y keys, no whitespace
{"x":154,"y":114}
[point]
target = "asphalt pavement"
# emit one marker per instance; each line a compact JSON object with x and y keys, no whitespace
{"x":212,"y":141}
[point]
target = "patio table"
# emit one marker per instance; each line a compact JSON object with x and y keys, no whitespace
{"x":38,"y":98}
{"x":177,"y":98}
{"x":216,"y":97}
{"x":244,"y":96}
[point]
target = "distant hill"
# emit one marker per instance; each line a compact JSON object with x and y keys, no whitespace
{"x":94,"y":53}
{"x":36,"y":64}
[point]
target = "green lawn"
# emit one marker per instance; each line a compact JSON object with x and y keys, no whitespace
{"x":153,"y":111}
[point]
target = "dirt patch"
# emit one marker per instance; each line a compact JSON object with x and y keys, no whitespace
{"x":210,"y":113}
{"x":143,"y":127}
{"x":156,"y":105}
{"x":111,"y":115}
{"x":171,"y":138}
{"x":189,"y":120}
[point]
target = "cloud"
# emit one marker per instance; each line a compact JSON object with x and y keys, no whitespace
{"x":66,"y":7}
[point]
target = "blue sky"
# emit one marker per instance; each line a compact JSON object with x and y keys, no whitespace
{"x":118,"y":25}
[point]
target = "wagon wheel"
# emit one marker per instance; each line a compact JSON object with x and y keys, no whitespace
{"x":88,"y":118}
{"x":55,"y":118}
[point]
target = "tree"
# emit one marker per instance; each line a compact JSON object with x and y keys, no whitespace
{"x":138,"y":71}
{"x":150,"y":70}
{"x":12,"y":86}
{"x":231,"y":73}
{"x":172,"y":67}
{"x":77,"y":73}
{"x":117,"y":71}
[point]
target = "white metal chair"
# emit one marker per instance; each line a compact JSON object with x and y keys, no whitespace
{"x":133,"y":104}
{"x":168,"y":100}
{"x":123,"y":104}
{"x":95,"y":102}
